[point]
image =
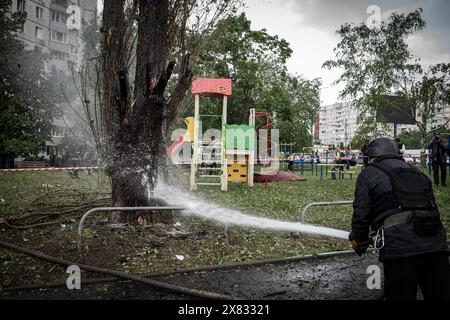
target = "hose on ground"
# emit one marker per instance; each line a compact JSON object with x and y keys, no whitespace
{"x":221,"y":267}
{"x":121,"y":275}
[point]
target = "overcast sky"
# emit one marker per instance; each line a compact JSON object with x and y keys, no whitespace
{"x":309,"y":26}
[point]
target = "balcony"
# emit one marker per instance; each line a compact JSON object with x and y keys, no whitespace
{"x":59,"y":5}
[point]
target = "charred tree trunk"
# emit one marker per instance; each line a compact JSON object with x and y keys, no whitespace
{"x":132,"y":135}
{"x":133,"y":132}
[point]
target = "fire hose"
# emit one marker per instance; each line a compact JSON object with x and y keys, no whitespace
{"x":121,"y":275}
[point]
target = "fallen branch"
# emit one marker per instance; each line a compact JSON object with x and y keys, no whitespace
{"x":54,"y":206}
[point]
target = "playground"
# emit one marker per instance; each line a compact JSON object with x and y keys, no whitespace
{"x":247,"y":195}
{"x":240,"y":167}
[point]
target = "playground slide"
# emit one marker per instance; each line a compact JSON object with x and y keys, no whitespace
{"x":175,"y":146}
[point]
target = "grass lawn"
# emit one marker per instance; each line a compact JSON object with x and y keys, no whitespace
{"x":138,"y":249}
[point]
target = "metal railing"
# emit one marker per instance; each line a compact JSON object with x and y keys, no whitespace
{"x":118,"y":209}
{"x":319,"y":204}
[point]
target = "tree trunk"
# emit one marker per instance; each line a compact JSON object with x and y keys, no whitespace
{"x":133,"y":135}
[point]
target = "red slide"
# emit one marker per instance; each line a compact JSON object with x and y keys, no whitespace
{"x":175,"y":146}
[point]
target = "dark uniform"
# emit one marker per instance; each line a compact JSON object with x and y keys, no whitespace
{"x":397,"y":200}
{"x":438,"y":149}
{"x":364,"y":154}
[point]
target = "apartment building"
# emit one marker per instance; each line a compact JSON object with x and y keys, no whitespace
{"x":337,"y":123}
{"x":441,"y":118}
{"x":55,"y":27}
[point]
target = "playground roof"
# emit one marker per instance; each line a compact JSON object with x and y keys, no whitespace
{"x":212,"y":87}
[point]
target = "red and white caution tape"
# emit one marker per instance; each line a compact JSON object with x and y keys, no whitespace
{"x":48,"y":169}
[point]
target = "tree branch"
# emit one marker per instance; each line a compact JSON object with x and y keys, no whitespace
{"x":184,"y":81}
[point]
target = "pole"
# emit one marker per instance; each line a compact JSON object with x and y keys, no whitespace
{"x":195,"y":145}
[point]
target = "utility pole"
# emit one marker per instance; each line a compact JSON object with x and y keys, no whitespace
{"x":345,"y":131}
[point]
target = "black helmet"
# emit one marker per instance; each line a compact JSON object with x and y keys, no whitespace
{"x":382,"y":147}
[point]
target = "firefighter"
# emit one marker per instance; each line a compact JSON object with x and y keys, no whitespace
{"x":397,"y":202}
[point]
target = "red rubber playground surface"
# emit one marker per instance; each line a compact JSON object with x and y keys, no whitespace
{"x":279,"y":176}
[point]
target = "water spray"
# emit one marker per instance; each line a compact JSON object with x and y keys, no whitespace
{"x":199,"y":207}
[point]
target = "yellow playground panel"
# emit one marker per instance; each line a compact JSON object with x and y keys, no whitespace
{"x":237,"y":169}
{"x":190,"y":128}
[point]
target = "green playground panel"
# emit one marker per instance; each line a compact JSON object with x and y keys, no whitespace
{"x":239,"y":136}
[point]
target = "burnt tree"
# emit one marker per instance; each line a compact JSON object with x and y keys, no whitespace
{"x":133,"y":121}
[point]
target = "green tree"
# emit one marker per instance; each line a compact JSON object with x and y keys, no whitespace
{"x":256,"y":62}
{"x":26,"y":92}
{"x":376,"y":62}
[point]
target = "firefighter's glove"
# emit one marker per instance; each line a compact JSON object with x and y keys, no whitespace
{"x":360,"y":247}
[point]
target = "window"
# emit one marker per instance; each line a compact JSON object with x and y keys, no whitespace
{"x":39,"y":13}
{"x":73,"y":32}
{"x":58,"y":55}
{"x":39,"y":33}
{"x":21,"y":5}
{"x":70,"y":65}
{"x":57,"y":131}
{"x":59,"y":36}
{"x":59,"y":17}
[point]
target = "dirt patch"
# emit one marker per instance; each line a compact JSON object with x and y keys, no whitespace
{"x":342,"y":277}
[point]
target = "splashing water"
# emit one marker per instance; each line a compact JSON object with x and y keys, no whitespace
{"x":198,"y":207}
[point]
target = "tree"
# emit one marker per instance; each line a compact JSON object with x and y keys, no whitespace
{"x":376,"y":62}
{"x":27,"y":95}
{"x":134,"y":116}
{"x":256,"y":62}
{"x":411,"y":139}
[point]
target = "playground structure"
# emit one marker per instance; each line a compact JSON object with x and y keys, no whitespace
{"x":231,"y":153}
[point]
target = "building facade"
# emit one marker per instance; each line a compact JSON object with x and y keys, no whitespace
{"x":337,"y":123}
{"x":55,"y":27}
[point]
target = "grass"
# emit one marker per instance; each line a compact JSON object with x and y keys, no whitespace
{"x":14,"y":186}
{"x":139,"y":250}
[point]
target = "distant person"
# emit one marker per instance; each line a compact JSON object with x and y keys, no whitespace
{"x":401,"y":146}
{"x":52,"y":160}
{"x":438,"y":155}
{"x":338,"y":159}
{"x":349,"y":158}
{"x":317,"y":156}
{"x":290,"y":162}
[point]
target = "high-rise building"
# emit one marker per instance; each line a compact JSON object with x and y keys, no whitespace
{"x":337,"y":123}
{"x":316,"y":128}
{"x":55,"y":27}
